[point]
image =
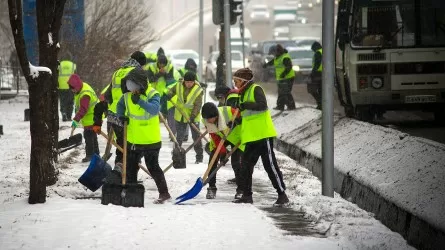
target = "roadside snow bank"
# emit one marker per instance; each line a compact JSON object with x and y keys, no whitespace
{"x":396,"y":176}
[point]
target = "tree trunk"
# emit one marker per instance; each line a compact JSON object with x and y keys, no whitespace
{"x":42,"y":92}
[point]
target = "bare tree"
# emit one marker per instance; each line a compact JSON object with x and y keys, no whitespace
{"x":114,"y":29}
{"x":42,"y":87}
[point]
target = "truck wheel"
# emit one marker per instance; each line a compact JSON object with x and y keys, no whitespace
{"x":364,"y":113}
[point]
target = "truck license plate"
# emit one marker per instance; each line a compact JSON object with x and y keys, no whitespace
{"x":420,"y":98}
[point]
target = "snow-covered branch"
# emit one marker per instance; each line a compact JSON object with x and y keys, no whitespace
{"x":34,"y":70}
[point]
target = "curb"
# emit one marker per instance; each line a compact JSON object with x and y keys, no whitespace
{"x":415,"y":230}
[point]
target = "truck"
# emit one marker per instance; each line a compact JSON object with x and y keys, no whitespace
{"x":390,"y":55}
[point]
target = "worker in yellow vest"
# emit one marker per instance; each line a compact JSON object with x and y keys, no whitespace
{"x":85,"y":99}
{"x":139,"y":107}
{"x":221,"y":123}
{"x":111,"y":97}
{"x":285,"y":76}
{"x":314,"y":87}
{"x":189,"y":100}
{"x":257,"y":133}
{"x":66,"y":69}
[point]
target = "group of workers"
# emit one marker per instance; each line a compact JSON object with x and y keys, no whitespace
{"x":146,"y":86}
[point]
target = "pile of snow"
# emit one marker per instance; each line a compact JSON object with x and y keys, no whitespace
{"x":406,"y":170}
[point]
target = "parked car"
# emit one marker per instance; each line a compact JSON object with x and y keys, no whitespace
{"x":302,"y":62}
{"x":259,"y":14}
{"x":260,"y":55}
{"x":179,"y":57}
{"x":210,"y":71}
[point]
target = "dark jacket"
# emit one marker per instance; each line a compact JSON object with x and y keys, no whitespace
{"x":317,"y":59}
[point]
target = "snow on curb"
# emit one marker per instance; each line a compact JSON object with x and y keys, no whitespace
{"x":396,"y":176}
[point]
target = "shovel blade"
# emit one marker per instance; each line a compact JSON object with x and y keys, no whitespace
{"x":192,"y":193}
{"x":72,"y":140}
{"x":95,"y":174}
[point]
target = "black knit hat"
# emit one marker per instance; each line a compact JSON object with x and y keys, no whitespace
{"x":162,"y":59}
{"x":139,"y":57}
{"x":209,"y":110}
{"x":189,"y":76}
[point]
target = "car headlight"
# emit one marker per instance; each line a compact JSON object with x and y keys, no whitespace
{"x":267,"y":15}
{"x":377,"y":82}
{"x":318,"y":1}
{"x":299,"y":5}
{"x":296,"y":68}
{"x":252,"y":15}
{"x":303,"y":21}
{"x":310,"y":5}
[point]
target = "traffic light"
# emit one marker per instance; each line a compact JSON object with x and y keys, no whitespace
{"x":234,"y":10}
{"x":217,"y":12}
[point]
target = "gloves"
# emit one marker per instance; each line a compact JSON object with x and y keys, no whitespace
{"x":96,"y":129}
{"x":232,"y":124}
{"x":74,"y":124}
{"x":124,"y":119}
{"x":203,"y":85}
{"x":135,"y":98}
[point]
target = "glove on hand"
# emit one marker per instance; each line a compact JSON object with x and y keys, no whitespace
{"x":96,"y":129}
{"x":74,"y":124}
{"x":232,"y":124}
{"x":135,"y":98}
{"x":124,"y":119}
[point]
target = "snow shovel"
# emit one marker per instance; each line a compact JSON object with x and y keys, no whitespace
{"x":178,"y":154}
{"x":69,"y":143}
{"x":125,"y":194}
{"x":187,"y":149}
{"x":194,"y":191}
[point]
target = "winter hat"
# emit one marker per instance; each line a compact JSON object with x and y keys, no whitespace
{"x":136,"y":76}
{"x":160,"y":51}
{"x":244,"y":74}
{"x":190,"y":64}
{"x":279,"y":49}
{"x":209,"y":110}
{"x":221,"y":91}
{"x":316,"y":46}
{"x":189,"y":76}
{"x":75,"y":82}
{"x":139,"y":57}
{"x":162,"y":59}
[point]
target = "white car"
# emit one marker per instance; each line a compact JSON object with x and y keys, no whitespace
{"x":259,"y":14}
{"x":237,"y":63}
{"x":180,"y":56}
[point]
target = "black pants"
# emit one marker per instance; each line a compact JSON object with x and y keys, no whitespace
{"x":285,"y":97}
{"x":314,"y":89}
{"x":91,"y":144}
{"x":66,"y":97}
{"x":264,"y":149}
{"x":119,"y":132}
{"x":235,"y":160}
{"x":151,"y":157}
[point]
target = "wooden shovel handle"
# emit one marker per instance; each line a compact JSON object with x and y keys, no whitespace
{"x":212,"y":161}
{"x":72,"y":131}
{"x":188,"y":120}
{"x":169,"y":129}
{"x":124,"y":161}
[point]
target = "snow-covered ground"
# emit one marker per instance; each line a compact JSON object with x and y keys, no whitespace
{"x":68,"y":221}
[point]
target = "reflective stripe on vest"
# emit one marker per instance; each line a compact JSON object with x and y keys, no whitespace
{"x":66,"y":69}
{"x":256,"y":125}
{"x":186,"y":106}
{"x":320,"y":68}
{"x":116,"y":90}
{"x":88,"y":118}
{"x":280,"y":68}
{"x":143,"y":128}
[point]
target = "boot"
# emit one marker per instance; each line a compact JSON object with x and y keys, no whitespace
{"x":199,"y":159}
{"x":163,"y":197}
{"x":244,"y":199}
{"x":238,"y":195}
{"x":279,"y":108}
{"x":211,"y":193}
{"x":282,"y":200}
{"x":86,"y":159}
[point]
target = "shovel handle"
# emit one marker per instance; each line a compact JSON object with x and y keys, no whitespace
{"x":72,"y":131}
{"x":169,"y":129}
{"x":124,"y":161}
{"x":212,"y":161}
{"x":188,"y":120}
{"x":122,"y":150}
{"x":221,"y":164}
